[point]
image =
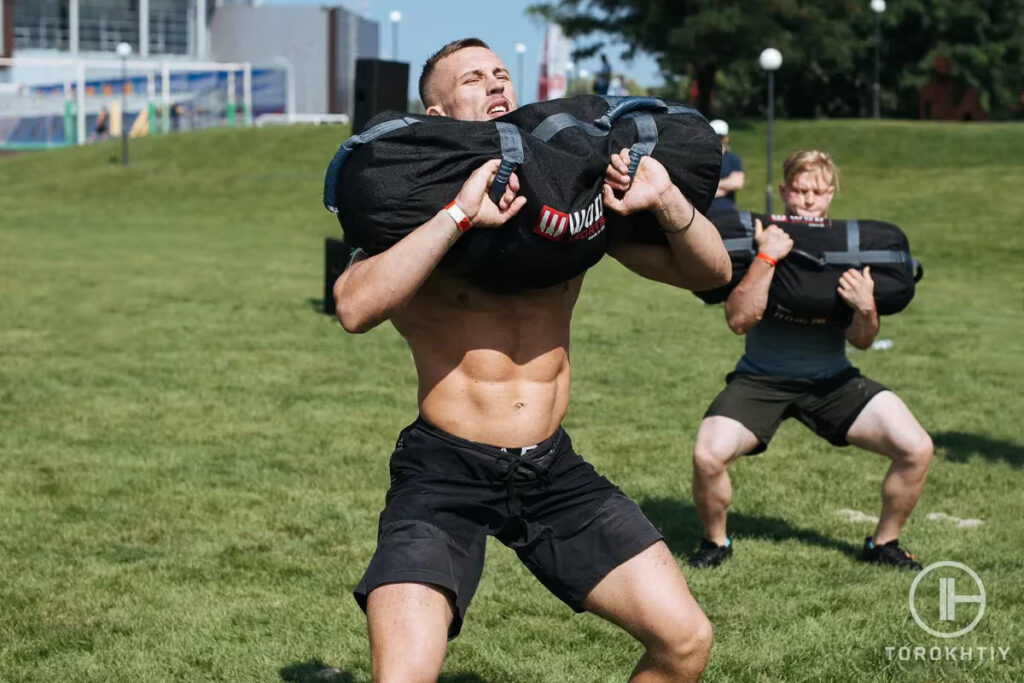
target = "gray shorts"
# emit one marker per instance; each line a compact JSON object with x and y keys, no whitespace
{"x":828,"y":406}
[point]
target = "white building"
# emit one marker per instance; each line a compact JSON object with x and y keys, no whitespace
{"x":317,"y":45}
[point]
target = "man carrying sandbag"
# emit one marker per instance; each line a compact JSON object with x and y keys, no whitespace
{"x":801,"y":371}
{"x":487,"y":455}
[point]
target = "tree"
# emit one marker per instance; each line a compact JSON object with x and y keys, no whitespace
{"x":982,"y":39}
{"x":828,"y":48}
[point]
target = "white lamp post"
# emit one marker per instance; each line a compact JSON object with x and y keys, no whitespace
{"x":770,"y":60}
{"x":124,"y":51}
{"x":396,"y":18}
{"x":877,"y":6}
{"x":520,"y":55}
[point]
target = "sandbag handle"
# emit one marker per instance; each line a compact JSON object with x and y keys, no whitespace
{"x":331,"y":178}
{"x":646,"y":141}
{"x":511,"y":156}
{"x":627,"y":104}
{"x":819,"y":261}
{"x":918,"y":269}
{"x":635,"y":155}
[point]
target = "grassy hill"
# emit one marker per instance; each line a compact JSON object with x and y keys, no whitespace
{"x":192,"y":459}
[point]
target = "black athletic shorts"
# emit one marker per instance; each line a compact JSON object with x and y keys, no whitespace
{"x":569,"y":525}
{"x":828,"y":407}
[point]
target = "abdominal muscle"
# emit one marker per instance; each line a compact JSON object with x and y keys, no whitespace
{"x":493,"y":368}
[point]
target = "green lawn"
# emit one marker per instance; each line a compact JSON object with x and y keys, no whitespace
{"x":192,"y":459}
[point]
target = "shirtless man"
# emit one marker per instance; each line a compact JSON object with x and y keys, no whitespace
{"x":487,"y":455}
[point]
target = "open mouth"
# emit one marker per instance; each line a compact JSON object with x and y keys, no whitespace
{"x":499,"y":108}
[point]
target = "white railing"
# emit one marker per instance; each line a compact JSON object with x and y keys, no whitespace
{"x":149,"y":67}
{"x":284,"y":119}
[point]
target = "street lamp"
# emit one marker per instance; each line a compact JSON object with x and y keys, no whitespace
{"x":396,"y":18}
{"x":520,"y":54}
{"x":124,"y":51}
{"x":770,"y":60}
{"x":877,"y":6}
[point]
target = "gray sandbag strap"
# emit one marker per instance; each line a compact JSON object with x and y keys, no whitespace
{"x":334,"y":168}
{"x":511,"y":156}
{"x":556,"y":123}
{"x":683,"y":109}
{"x":621,"y":107}
{"x":742,"y":243}
{"x":853,"y":256}
{"x":646,"y":140}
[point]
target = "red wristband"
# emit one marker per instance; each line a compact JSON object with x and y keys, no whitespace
{"x":458,"y":216}
{"x":767,"y":259}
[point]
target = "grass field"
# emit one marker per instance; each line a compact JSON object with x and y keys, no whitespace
{"x":192,"y":459}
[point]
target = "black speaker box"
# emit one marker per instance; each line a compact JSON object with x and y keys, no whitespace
{"x":380,"y":85}
{"x":336,"y":256}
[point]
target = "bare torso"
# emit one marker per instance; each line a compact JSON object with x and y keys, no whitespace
{"x":493,"y":368}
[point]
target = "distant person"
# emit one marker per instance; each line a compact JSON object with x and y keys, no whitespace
{"x":176,"y":111}
{"x":945,"y":98}
{"x":102,"y":129}
{"x":617,"y":87}
{"x":487,"y":455}
{"x":731,"y":177}
{"x":603,"y":77}
{"x":791,"y":370}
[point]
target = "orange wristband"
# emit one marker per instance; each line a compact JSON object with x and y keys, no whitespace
{"x":458,"y":216}
{"x":767,"y":259}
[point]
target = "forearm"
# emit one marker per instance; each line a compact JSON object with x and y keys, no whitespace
{"x":747,"y":303}
{"x":864,"y":328}
{"x":732,"y":182}
{"x":370,"y":291}
{"x":699,"y":256}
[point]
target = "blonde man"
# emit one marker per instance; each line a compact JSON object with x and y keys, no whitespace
{"x":802,"y":371}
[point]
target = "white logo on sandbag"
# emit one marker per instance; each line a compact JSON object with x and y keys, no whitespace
{"x":583,"y":224}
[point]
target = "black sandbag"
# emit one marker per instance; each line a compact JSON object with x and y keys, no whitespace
{"x":403,"y":168}
{"x":804,"y":287}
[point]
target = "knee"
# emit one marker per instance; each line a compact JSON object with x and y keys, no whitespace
{"x":689,"y":649}
{"x":709,"y":461}
{"x":412,"y":669}
{"x":698,"y":643}
{"x":919,"y":451}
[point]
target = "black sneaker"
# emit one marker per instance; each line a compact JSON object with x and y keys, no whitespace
{"x":711,"y":555}
{"x":890,"y":553}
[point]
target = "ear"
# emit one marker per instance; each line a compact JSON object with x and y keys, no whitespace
{"x":435,"y":110}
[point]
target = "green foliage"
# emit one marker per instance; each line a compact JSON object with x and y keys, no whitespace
{"x":982,"y":38}
{"x":192,"y":458}
{"x":579,"y":86}
{"x":828,"y":49}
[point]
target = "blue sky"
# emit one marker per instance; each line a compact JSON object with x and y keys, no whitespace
{"x":428,"y":24}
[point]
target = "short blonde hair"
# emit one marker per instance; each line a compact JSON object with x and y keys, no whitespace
{"x":804,"y":160}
